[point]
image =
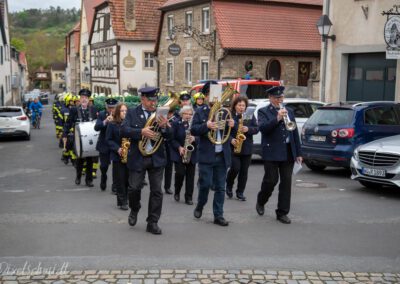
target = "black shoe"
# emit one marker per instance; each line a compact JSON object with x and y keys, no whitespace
{"x":65,"y":160}
{"x":168,"y":191}
{"x":240,"y":197}
{"x":229,"y":192}
{"x":177,"y":197}
{"x":283,"y":219}
{"x":78,"y":180}
{"x":89,"y":183}
{"x":153,"y":228}
{"x":189,"y":201}
{"x":221,"y":221}
{"x":132,"y":219}
{"x":103,"y":183}
{"x":260,"y":209}
{"x":124,"y":207}
{"x":198,"y":212}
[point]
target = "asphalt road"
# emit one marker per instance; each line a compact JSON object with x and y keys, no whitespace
{"x":45,"y":217}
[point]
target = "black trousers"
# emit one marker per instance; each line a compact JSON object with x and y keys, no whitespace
{"x":185,"y":172}
{"x":104,"y":163}
{"x":240,"y":166}
{"x":89,"y":168}
{"x":121,"y":181}
{"x":168,"y":172}
{"x":136,"y":179}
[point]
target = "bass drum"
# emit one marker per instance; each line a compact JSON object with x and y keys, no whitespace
{"x":86,"y":139}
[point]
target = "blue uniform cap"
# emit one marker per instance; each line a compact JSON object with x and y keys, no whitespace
{"x":276,"y":91}
{"x":149,"y":92}
{"x":111,"y":102}
{"x":85,"y":92}
{"x":184,"y":97}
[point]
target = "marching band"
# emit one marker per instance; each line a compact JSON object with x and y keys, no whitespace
{"x":185,"y":132}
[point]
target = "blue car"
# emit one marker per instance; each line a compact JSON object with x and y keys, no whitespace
{"x":334,"y":131}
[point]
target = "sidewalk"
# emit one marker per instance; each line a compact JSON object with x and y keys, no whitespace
{"x":199,"y":276}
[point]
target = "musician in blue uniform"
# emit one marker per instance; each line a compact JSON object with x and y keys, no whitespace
{"x":120,"y":169}
{"x":281,"y":148}
{"x":214,"y":161}
{"x":184,"y":168}
{"x":241,"y":161}
{"x":103,"y":120}
{"x":83,"y":113}
{"x":133,"y":127}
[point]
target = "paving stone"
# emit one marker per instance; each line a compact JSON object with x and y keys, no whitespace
{"x":149,"y":281}
{"x":135,"y":281}
{"x":128,"y":271}
{"x":260,"y":272}
{"x":283,"y":277}
{"x":81,"y":282}
{"x":179,"y":276}
{"x":247,"y":271}
{"x":311,"y":273}
{"x":298,"y":273}
{"x":233,"y":271}
{"x":191,"y":275}
{"x":115,"y":272}
{"x":207,"y":271}
{"x":94,"y":272}
{"x":230,"y":276}
{"x":59,"y":282}
{"x":167,"y":276}
{"x":123,"y":281}
{"x":180,"y":271}
{"x":137,"y":276}
{"x":348,"y":274}
{"x":304,"y":282}
{"x":155,"y":276}
{"x":113,"y":280}
{"x":154,"y":271}
{"x":9,"y":277}
{"x":175,"y":281}
{"x":216,"y":276}
{"x":162,"y":281}
{"x":10,"y":282}
{"x":324,"y":273}
{"x":270,"y":277}
{"x":195,"y":271}
{"x":292,"y":282}
{"x":220,"y":271}
{"x":257,"y":277}
{"x":206,"y":281}
{"x":142,"y":272}
{"x":286,"y":273}
{"x":195,"y":282}
{"x":100,"y":282}
{"x":298,"y":277}
{"x":122,"y":276}
{"x":272,"y":272}
{"x":104,"y":272}
{"x":201,"y":276}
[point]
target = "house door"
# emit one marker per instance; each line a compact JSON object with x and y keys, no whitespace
{"x":303,"y":73}
{"x":371,"y":77}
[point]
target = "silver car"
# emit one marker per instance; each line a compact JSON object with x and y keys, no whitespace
{"x":377,"y":163}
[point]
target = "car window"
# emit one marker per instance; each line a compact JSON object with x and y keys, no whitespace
{"x":314,"y":107}
{"x":300,"y":109}
{"x":10,"y":112}
{"x":384,"y":115}
{"x":331,"y":117}
{"x":254,"y":92}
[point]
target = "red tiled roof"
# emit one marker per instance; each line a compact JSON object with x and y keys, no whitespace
{"x":89,"y":9}
{"x":147,"y":15}
{"x":260,"y":26}
{"x":22,"y":58}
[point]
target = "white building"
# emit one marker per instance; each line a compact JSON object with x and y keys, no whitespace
{"x":122,"y":42}
{"x":19,"y":74}
{"x":5,"y":58}
{"x":72,"y":71}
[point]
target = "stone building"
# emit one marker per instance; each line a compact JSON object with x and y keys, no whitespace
{"x":72,"y":72}
{"x":201,"y":40}
{"x":57,"y":71}
{"x":5,"y":57}
{"x":357,"y":68}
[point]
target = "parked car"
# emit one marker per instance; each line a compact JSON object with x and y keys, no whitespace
{"x":377,"y":163}
{"x":302,"y":109}
{"x":44,"y":98}
{"x":14,"y":122}
{"x":334,"y":131}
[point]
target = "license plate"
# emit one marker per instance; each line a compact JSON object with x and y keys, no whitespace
{"x":374,"y":172}
{"x":6,"y":130}
{"x":317,"y":138}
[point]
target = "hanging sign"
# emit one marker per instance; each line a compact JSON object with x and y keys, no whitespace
{"x":392,"y":32}
{"x":174,"y":49}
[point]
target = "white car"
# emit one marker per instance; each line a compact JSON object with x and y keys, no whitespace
{"x":377,"y":163}
{"x":14,"y":122}
{"x":302,"y":108}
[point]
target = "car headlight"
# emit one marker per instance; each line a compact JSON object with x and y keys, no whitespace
{"x":355,"y":154}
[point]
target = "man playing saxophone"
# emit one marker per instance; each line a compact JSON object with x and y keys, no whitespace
{"x":215,"y":157}
{"x":183,"y":153}
{"x":242,"y":147}
{"x":146,"y":154}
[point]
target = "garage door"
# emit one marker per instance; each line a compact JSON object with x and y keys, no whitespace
{"x":371,"y":77}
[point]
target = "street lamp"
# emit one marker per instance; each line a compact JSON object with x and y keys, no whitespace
{"x":324,"y":25}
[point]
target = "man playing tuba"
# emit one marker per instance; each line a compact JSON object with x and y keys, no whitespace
{"x":147,"y":153}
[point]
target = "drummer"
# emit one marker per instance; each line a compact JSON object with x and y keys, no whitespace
{"x":83,"y":113}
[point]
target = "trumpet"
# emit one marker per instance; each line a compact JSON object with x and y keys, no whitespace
{"x":289,"y":125}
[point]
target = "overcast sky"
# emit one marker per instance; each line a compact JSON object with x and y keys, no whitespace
{"x":19,"y":5}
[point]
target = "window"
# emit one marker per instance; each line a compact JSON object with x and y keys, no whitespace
{"x":331,"y":117}
{"x":105,"y":59}
{"x":188,"y":72}
{"x":205,"y":20}
{"x":110,"y":58}
{"x":204,"y":69}
{"x":189,"y":21}
{"x":273,"y":70}
{"x":391,"y":74}
{"x":374,"y":75}
{"x":356,"y":73}
{"x":148,"y":60}
{"x":170,"y":25}
{"x":1,"y":55}
{"x":381,"y":116}
{"x":170,"y":72}
{"x":106,"y":26}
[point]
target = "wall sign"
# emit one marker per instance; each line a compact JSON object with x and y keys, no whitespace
{"x":129,"y":61}
{"x":392,"y":32}
{"x":174,"y":49}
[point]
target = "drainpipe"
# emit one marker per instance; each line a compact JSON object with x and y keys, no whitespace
{"x":324,"y":58}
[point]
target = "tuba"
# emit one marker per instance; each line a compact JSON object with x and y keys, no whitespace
{"x":125,"y":144}
{"x":289,"y":125}
{"x":240,"y":137}
{"x":189,"y":148}
{"x":220,"y":114}
{"x":152,"y":122}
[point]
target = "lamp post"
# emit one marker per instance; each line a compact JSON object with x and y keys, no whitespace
{"x":324,"y":25}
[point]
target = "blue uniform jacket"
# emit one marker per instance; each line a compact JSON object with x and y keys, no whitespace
{"x":102,"y":145}
{"x":132,"y":128}
{"x":206,"y":148}
{"x":247,"y":147}
{"x":178,"y":140}
{"x":274,"y":135}
{"x":113,"y":140}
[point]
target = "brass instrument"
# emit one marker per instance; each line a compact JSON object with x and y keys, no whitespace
{"x":220,"y":114}
{"x":240,"y":137}
{"x":290,"y":125}
{"x":189,"y":148}
{"x":152,"y":122}
{"x":125,"y":145}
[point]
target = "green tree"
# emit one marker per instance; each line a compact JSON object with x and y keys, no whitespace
{"x":18,"y":43}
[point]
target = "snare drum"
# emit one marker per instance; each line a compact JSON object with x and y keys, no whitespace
{"x":86,"y":139}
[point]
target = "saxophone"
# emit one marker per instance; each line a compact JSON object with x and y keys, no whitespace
{"x":189,"y":148}
{"x":125,"y":145}
{"x":219,"y":114}
{"x":240,"y":137}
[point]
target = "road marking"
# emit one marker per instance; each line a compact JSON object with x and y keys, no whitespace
{"x":342,"y":189}
{"x":14,"y":190}
{"x":62,"y":178}
{"x":18,"y":172}
{"x":73,"y":189}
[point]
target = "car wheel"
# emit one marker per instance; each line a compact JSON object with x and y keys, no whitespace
{"x":28,"y":137}
{"x":314,"y":167}
{"x":369,"y":184}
